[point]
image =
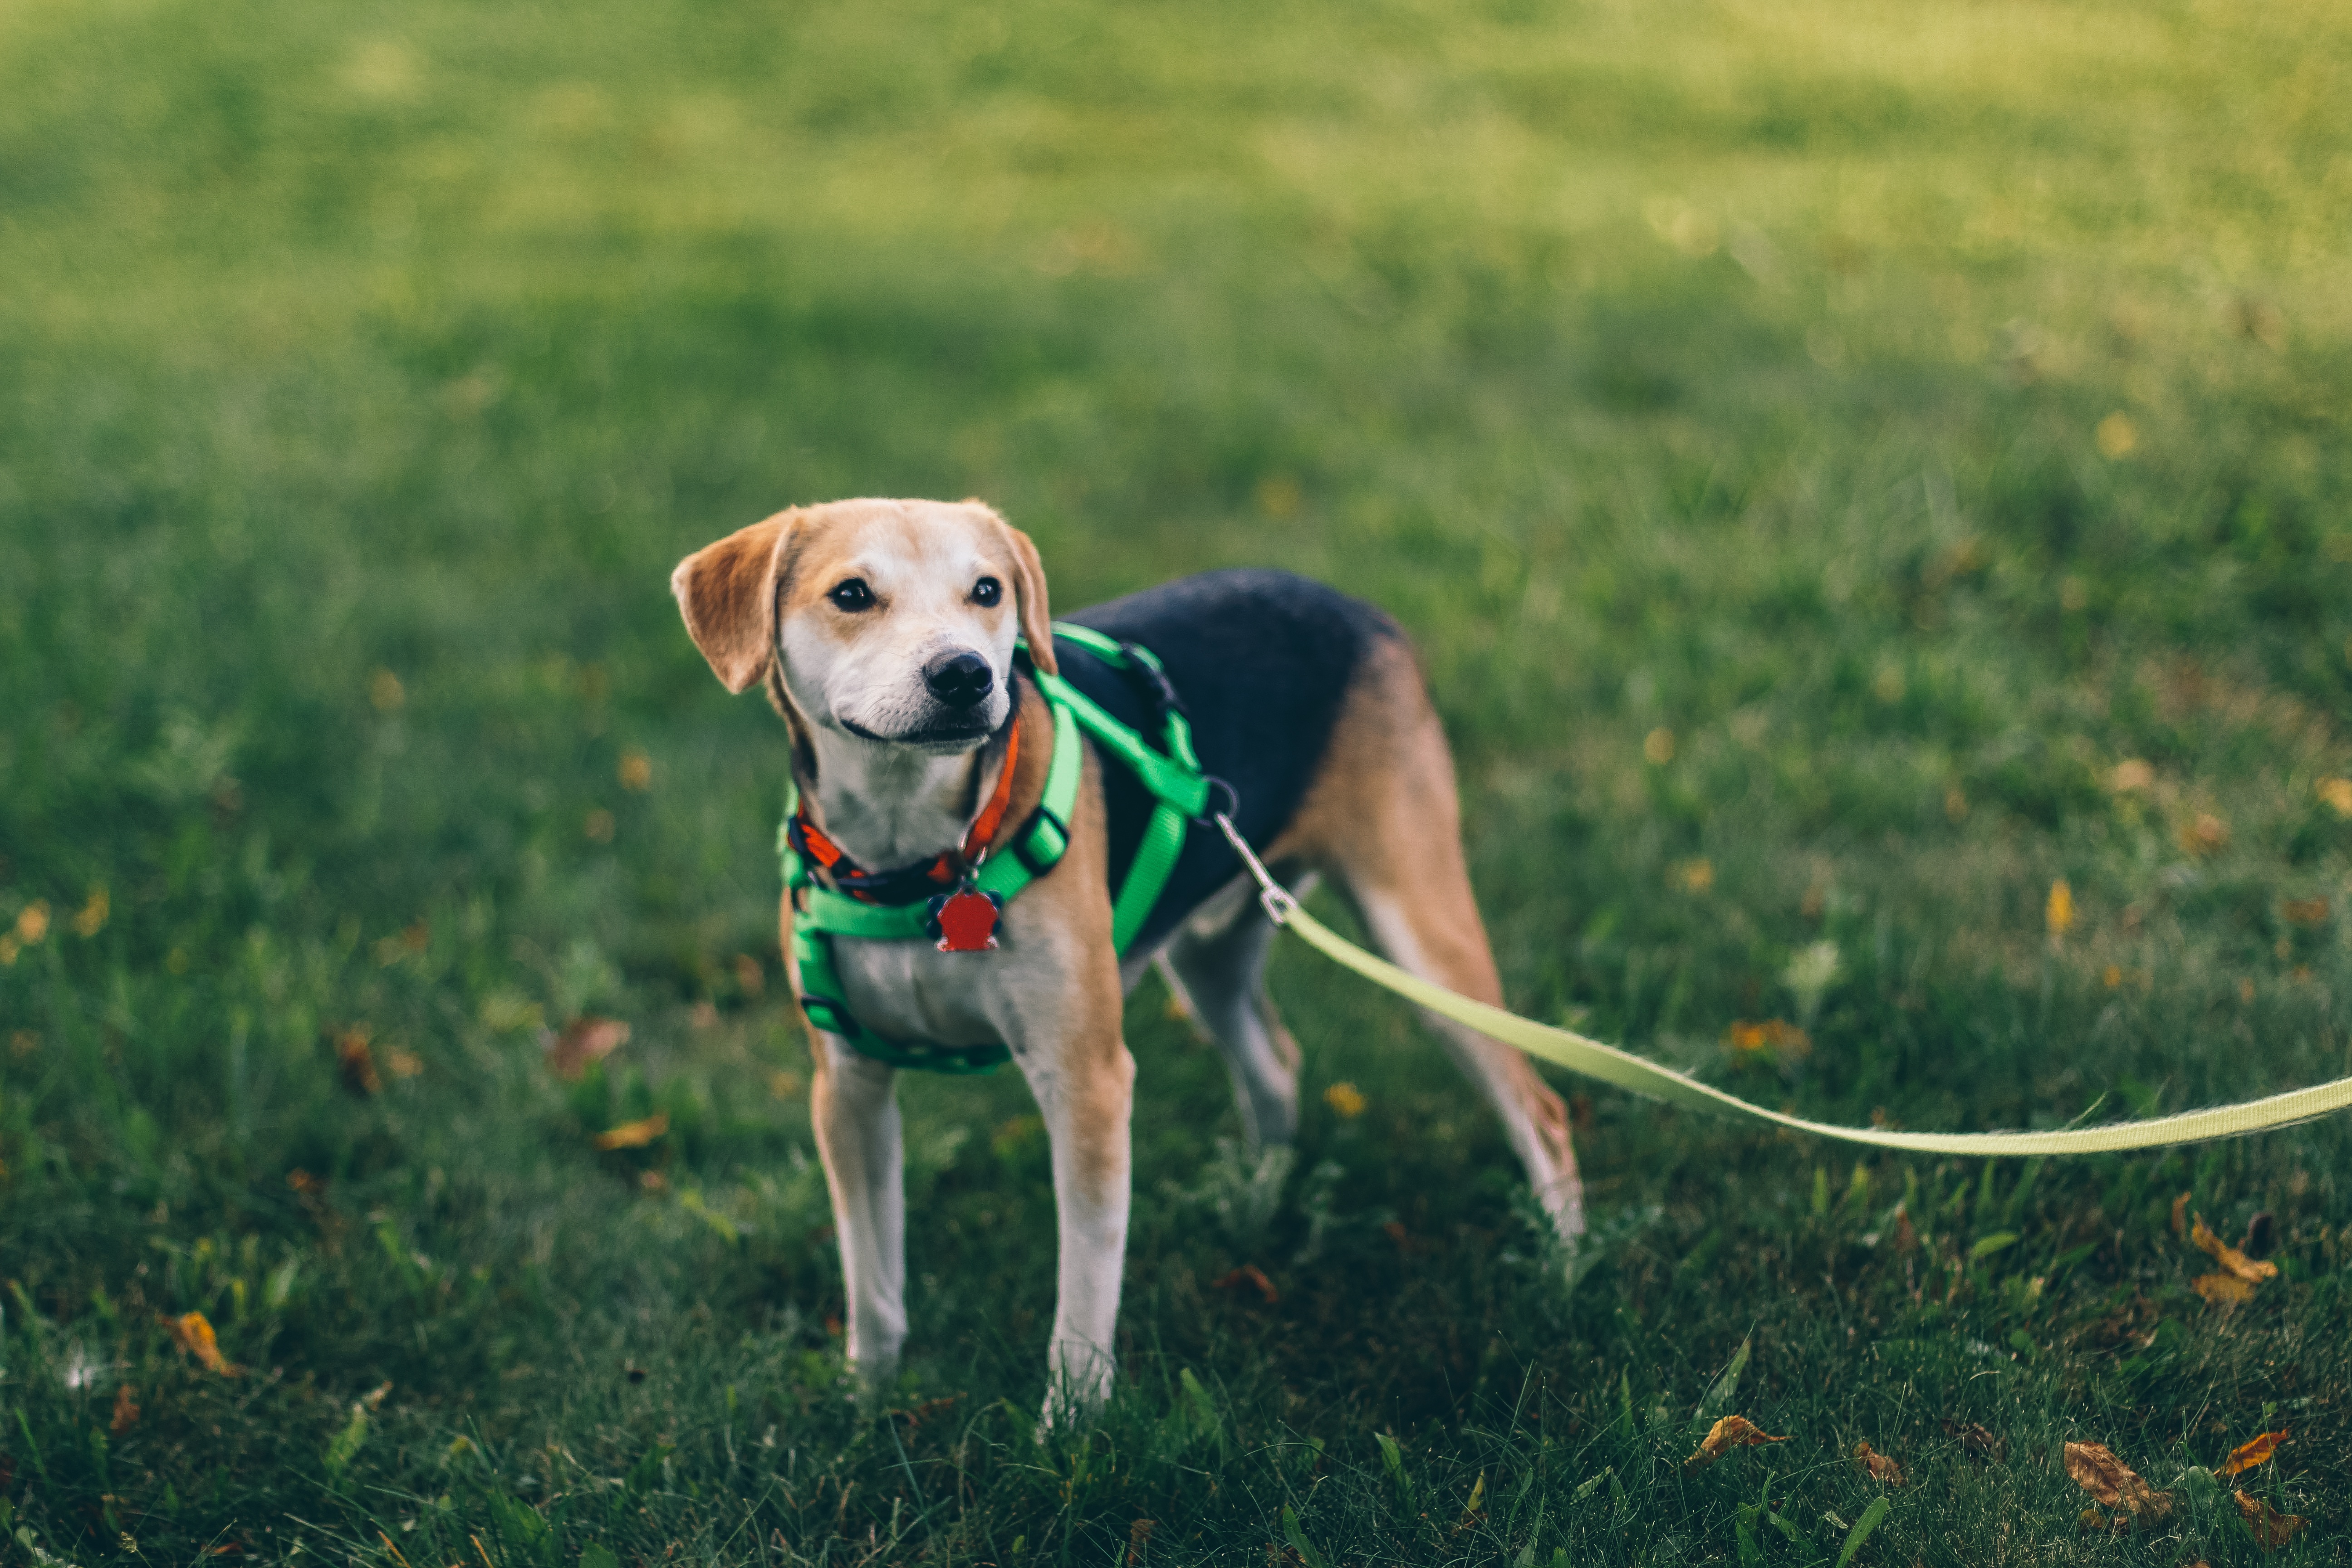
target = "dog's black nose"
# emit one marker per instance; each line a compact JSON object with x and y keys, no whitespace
{"x":958,"y":679}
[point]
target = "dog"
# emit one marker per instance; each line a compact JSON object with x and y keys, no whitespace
{"x":884,"y":632}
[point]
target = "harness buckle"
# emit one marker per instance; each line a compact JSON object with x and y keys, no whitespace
{"x":1031,"y":863}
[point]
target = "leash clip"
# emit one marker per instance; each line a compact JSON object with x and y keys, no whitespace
{"x":1271,"y":896}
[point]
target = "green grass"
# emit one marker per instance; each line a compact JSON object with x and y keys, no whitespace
{"x":1726,"y":372}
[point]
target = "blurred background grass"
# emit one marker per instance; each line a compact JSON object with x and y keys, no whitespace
{"x":1846,"y":469}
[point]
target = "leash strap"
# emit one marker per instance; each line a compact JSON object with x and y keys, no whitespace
{"x":1575,"y":1052}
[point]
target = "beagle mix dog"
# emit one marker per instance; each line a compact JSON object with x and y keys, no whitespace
{"x":883,"y":633}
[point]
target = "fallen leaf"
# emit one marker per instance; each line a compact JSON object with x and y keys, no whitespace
{"x":2246,"y":1455}
{"x":1880,"y":1468}
{"x":357,"y":1062}
{"x":635,"y":1134}
{"x":2338,"y":792}
{"x":2222,"y":1289}
{"x":2205,"y":834}
{"x":1731,"y":1432}
{"x":2180,"y":1216}
{"x":2092,"y":1518}
{"x":2059,"y":913}
{"x":2113,"y":1482}
{"x":2228,"y":1256}
{"x":1139,"y":1539}
{"x":2271,"y":1529}
{"x":583,"y":1041}
{"x":1249,"y":1274}
{"x":1975,"y":1440}
{"x":193,"y":1335}
{"x":1782,"y":1038}
{"x":126,"y":1410}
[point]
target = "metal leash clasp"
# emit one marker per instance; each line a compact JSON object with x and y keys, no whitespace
{"x":1272,"y":895}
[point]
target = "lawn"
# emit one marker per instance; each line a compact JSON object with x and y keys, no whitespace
{"x":1871,"y":486}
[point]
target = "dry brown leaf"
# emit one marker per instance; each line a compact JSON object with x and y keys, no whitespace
{"x":2092,"y":1518}
{"x":2180,"y":1216}
{"x":1880,"y":1468}
{"x":1975,"y":1440}
{"x":1249,"y":1274}
{"x":2222,"y":1289}
{"x":1731,"y":1432}
{"x":635,"y":1134}
{"x":126,"y":1410}
{"x":2271,"y":1529}
{"x":583,"y":1041}
{"x":2246,"y":1455}
{"x":357,"y":1062}
{"x":2228,"y":1256}
{"x":193,"y":1334}
{"x":2109,"y":1480}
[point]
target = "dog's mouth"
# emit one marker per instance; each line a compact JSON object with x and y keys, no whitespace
{"x":953,"y":735}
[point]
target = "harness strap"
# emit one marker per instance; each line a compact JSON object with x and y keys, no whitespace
{"x":1174,"y":778}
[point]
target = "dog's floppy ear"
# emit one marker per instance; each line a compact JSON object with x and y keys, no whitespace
{"x":727,"y":592}
{"x":1029,"y":588}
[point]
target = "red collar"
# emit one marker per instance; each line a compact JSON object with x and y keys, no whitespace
{"x":947,"y":869}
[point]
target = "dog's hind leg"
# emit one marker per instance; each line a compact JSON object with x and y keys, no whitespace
{"x":1384,"y":817}
{"x":1218,"y":968}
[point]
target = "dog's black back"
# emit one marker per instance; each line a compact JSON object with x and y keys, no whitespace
{"x":1262,"y":661}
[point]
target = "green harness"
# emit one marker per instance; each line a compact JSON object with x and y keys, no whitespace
{"x":1171,"y":774}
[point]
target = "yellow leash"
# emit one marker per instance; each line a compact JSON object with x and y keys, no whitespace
{"x":1626,"y":1071}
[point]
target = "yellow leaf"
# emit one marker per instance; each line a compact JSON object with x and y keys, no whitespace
{"x":2246,"y":1455}
{"x":1345,"y":1099}
{"x":635,"y":1134}
{"x":2271,"y":1529}
{"x":1877,"y":1466}
{"x":2116,"y":436}
{"x":2222,"y":1289}
{"x":1731,"y":1432}
{"x":92,"y":919}
{"x":193,"y":1334}
{"x":2113,"y":1482}
{"x":33,"y":922}
{"x":2228,"y":1256}
{"x":2338,"y":792}
{"x":2060,"y":912}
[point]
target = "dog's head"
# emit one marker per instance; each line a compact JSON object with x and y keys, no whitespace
{"x":890,"y":620}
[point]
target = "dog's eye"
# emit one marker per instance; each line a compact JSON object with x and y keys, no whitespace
{"x":851,"y":595}
{"x":986,"y":592}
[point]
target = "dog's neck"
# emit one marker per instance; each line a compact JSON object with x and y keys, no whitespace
{"x":888,"y":805}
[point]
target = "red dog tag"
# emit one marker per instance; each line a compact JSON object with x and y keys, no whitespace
{"x":966,"y":921}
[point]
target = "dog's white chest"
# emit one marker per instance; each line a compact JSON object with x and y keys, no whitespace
{"x":911,"y":991}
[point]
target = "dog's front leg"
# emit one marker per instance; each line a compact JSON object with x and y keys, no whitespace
{"x":855,"y":1114}
{"x":1084,"y":1080}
